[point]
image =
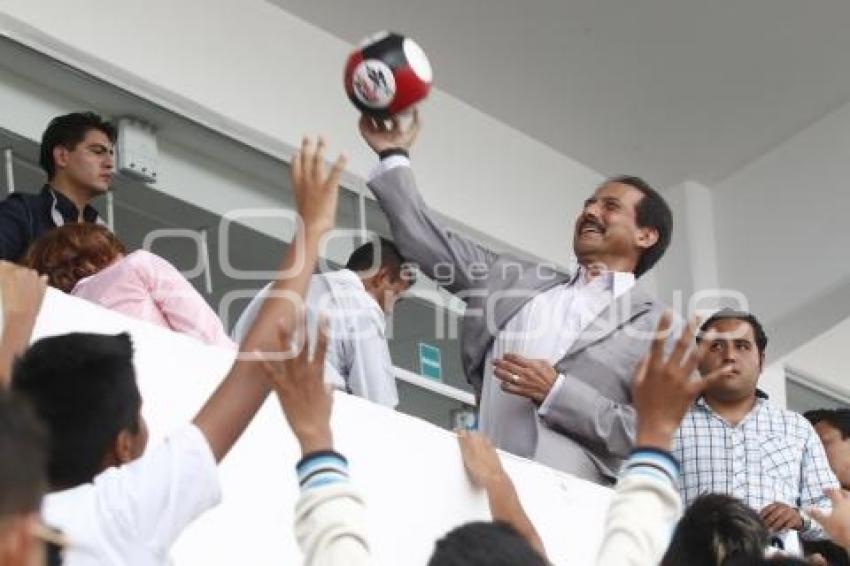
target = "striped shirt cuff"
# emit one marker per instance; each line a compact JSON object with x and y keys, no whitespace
{"x":653,"y":463}
{"x":321,"y":468}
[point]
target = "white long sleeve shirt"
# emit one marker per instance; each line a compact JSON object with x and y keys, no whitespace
{"x":643,"y":512}
{"x":358,"y":358}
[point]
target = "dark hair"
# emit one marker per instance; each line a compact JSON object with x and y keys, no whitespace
{"x":837,"y":418}
{"x":730,"y":314}
{"x":73,"y":252}
{"x":23,"y":458}
{"x":84,"y":388}
{"x":68,"y":130}
{"x":653,"y":212}
{"x":363,"y":258}
{"x":717,"y":530}
{"x":486,"y":544}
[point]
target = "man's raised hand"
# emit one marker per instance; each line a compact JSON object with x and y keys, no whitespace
{"x":382,"y":135}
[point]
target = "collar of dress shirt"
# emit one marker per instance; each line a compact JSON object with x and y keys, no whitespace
{"x":618,"y":282}
{"x":350,"y":279}
{"x":761,"y":399}
{"x":63,"y":210}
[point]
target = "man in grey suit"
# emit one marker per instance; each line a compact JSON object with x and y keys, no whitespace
{"x":550,"y":354}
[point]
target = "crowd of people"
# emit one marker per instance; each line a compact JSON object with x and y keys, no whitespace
{"x":583,"y":371}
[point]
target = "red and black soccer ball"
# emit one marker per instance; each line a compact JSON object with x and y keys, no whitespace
{"x":387,"y":75}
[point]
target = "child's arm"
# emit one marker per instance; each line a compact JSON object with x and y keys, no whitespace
{"x":22,"y":292}
{"x":237,"y":399}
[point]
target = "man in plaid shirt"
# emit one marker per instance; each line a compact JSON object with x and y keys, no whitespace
{"x":734,"y":441}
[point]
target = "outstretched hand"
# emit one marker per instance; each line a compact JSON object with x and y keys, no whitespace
{"x":663,"y":387}
{"x":298,"y":380}
{"x":315,"y":189}
{"x":479,"y":458}
{"x":836,"y":523}
{"x":22,"y":292}
{"x":382,"y":135}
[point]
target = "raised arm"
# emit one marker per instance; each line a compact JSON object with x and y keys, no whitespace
{"x":237,"y":399}
{"x":22,"y":293}
{"x":451,"y":260}
{"x":485,"y":470}
{"x":646,"y":504}
{"x":329,"y":516}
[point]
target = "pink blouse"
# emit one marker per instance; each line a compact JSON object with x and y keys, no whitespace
{"x":145,"y":286}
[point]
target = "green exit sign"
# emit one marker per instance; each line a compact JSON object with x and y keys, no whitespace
{"x":430,"y":362}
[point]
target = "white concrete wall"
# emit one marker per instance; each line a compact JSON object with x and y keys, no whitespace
{"x":254,"y":72}
{"x":824,"y":359}
{"x":783,"y":232}
{"x":414,"y":492}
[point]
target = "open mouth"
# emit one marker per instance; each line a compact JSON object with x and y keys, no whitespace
{"x":590,"y":227}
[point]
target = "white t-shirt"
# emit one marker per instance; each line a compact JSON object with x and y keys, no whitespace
{"x":133,"y":514}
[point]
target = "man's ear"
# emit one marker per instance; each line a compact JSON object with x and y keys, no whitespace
{"x":123,"y":447}
{"x":60,"y":156}
{"x":384,"y":274}
{"x":761,"y":362}
{"x":647,"y":236}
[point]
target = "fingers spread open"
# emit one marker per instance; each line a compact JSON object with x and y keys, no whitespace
{"x":319,"y":157}
{"x":683,"y":344}
{"x":656,"y":351}
{"x":640,"y":371}
{"x":321,"y":342}
{"x":336,"y":171}
{"x":307,"y":158}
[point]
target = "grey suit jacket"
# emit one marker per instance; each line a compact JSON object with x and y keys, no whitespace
{"x":589,"y":427}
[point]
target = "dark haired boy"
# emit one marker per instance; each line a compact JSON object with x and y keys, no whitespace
{"x":77,"y":155}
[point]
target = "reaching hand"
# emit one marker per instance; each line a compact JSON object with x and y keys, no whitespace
{"x":300,"y":387}
{"x":836,"y":523}
{"x":381,"y":136}
{"x":22,"y":291}
{"x":479,"y":458}
{"x":485,"y":470}
{"x":663,"y":390}
{"x":315,"y":191}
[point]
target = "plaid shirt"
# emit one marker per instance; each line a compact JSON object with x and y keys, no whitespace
{"x":773,"y":455}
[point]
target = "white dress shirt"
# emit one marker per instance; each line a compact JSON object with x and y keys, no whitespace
{"x":544,"y":328}
{"x":358,"y":358}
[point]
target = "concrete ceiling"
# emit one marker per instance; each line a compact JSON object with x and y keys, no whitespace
{"x":669,"y":89}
